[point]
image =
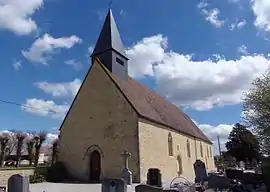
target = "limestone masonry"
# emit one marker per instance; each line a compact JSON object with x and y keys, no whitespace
{"x":113,"y":112}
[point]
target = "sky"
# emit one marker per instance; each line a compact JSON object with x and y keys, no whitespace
{"x":201,"y":55}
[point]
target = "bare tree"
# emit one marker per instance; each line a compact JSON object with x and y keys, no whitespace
{"x":12,"y":143}
{"x":30,"y":144}
{"x":39,"y":140}
{"x":4,"y":139}
{"x":20,"y":139}
{"x":55,"y":147}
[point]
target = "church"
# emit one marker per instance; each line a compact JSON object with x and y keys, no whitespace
{"x":113,"y":112}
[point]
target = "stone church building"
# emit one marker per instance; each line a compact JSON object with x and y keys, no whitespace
{"x":113,"y":112}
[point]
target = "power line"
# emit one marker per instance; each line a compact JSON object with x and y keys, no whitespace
{"x":27,"y":106}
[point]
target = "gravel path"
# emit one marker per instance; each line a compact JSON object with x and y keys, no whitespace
{"x":59,"y":187}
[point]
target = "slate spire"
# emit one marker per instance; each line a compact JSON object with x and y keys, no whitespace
{"x":109,"y":37}
{"x":109,"y":48}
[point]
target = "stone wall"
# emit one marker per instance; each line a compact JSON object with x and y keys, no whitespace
{"x":5,"y":174}
{"x":154,"y":152}
{"x":100,"y":119}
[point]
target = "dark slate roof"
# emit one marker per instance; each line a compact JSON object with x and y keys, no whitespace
{"x":109,"y":37}
{"x":154,"y":107}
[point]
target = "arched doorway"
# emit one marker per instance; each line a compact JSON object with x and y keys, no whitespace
{"x":95,"y":166}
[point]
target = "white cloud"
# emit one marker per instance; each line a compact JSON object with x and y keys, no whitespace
{"x":196,"y":84}
{"x":16,"y":15}
{"x":213,"y":132}
{"x":45,"y":108}
{"x":17,"y":65}
{"x":222,"y":130}
{"x":122,"y":12}
{"x":51,"y":137}
{"x":199,"y":85}
{"x":202,"y":4}
{"x":91,"y":49}
{"x":43,"y":48}
{"x":238,"y":25}
{"x":261,"y":10}
{"x":74,"y":63}
{"x":242,"y":50}
{"x":65,"y":89}
{"x":7,"y":132}
{"x":213,"y":17}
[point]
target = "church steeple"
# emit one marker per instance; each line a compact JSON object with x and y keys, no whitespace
{"x":109,"y":48}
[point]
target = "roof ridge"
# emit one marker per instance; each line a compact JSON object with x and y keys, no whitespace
{"x":120,"y":84}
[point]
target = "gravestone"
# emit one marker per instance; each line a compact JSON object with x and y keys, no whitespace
{"x":234,"y":173}
{"x":154,"y":177}
{"x":114,"y":185}
{"x":252,"y":178}
{"x":126,"y":173}
{"x":200,"y":171}
{"x":18,"y":183}
{"x":147,"y":188}
{"x":218,"y":182}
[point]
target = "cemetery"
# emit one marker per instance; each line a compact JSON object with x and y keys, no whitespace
{"x":243,"y":177}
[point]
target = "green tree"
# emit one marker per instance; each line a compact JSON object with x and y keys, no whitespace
{"x":242,"y":144}
{"x":257,"y":110}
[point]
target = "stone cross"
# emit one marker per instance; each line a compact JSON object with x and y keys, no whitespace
{"x":126,"y":155}
{"x":126,"y":173}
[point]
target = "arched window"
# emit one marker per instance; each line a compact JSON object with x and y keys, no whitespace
{"x":201,"y":149}
{"x":188,"y":149}
{"x":170,"y":144}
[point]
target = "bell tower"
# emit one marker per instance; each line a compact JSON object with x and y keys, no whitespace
{"x":109,"y":48}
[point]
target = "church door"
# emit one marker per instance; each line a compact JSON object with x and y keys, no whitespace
{"x":95,"y":166}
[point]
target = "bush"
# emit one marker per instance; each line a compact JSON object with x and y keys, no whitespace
{"x":57,"y":173}
{"x":37,"y":178}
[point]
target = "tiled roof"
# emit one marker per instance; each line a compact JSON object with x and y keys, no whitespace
{"x":154,"y":107}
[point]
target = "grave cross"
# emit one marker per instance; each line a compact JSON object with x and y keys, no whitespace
{"x":126,"y":155}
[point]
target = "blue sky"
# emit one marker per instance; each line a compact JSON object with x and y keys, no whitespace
{"x":205,"y":54}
